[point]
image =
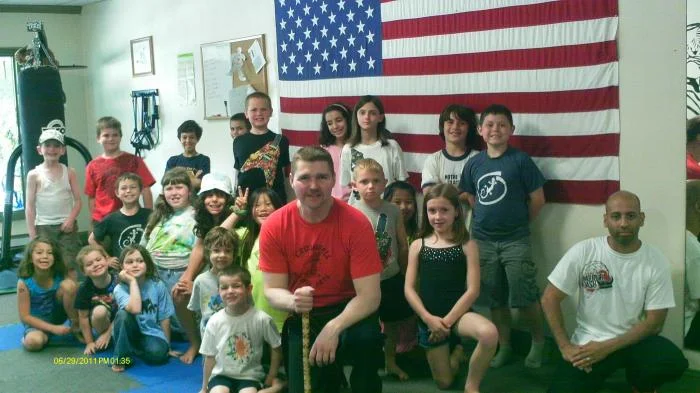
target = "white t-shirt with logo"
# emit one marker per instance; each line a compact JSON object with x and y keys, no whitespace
{"x":237,"y":343}
{"x":441,"y":167}
{"x":614,"y":288}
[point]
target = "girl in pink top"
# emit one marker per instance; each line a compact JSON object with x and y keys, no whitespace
{"x":335,"y":131}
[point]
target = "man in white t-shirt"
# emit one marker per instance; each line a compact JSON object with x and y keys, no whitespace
{"x":692,"y":265}
{"x":624,"y":292}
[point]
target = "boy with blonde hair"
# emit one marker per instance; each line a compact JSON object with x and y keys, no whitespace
{"x":392,"y":243}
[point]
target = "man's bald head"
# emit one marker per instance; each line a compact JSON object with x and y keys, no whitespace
{"x":623,"y":195}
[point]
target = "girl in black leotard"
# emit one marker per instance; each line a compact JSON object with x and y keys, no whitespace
{"x":447,"y":263}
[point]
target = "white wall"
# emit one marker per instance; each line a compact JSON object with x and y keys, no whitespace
{"x":64,"y":33}
{"x":652,"y":79}
{"x":177,"y":27}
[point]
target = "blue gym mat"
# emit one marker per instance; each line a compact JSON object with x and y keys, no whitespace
{"x":173,"y":376}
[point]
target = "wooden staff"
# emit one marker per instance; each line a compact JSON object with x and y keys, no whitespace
{"x":305,"y":332}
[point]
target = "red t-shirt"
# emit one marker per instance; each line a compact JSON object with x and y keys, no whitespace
{"x":326,"y":256}
{"x":101,"y":176}
{"x":692,"y":168}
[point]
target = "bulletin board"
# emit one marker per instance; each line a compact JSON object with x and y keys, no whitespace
{"x":231,"y":70}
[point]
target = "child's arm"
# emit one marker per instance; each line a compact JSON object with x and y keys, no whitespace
{"x":275,"y":361}
{"x":147,"y":197}
{"x":91,"y":205}
{"x":434,"y":323}
{"x":102,"y":342}
{"x":209,"y":363}
{"x":471,"y":251}
{"x":536,"y":203}
{"x":30,"y":207}
{"x":469,"y":197}
{"x":134,"y":304}
{"x":69,"y":224}
{"x":402,"y":243}
{"x":23,"y":305}
{"x":86,"y":329}
{"x":194,"y":266}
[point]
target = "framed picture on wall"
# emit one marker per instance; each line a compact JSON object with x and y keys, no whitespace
{"x":142,"y":56}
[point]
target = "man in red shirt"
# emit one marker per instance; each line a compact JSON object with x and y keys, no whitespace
{"x":318,"y":255}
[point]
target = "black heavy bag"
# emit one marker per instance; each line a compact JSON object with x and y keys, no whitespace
{"x":41,"y":100}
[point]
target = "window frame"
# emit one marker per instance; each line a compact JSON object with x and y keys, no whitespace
{"x":17,"y":215}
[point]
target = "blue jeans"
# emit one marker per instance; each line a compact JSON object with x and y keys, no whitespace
{"x":359,"y":346}
{"x":128,"y":341}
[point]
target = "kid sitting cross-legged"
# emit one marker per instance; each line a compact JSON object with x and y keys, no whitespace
{"x":234,"y":337}
{"x":142,"y":324}
{"x":44,"y":295}
{"x":95,"y":304}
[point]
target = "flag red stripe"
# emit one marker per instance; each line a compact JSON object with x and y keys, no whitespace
{"x":520,"y":59}
{"x":563,"y":191}
{"x":536,"y":146}
{"x":521,"y":102}
{"x":500,"y":18}
{"x":583,"y":192}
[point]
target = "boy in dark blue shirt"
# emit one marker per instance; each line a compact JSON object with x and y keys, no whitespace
{"x":197,"y":165}
{"x":504,"y":187}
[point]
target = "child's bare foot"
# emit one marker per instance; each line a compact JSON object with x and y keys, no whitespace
{"x":117,"y":368}
{"x":189,"y":355}
{"x":77,"y":333}
{"x":457,"y":357}
{"x":394,"y":369}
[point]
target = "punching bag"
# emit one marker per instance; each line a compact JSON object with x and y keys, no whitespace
{"x":40,"y":100}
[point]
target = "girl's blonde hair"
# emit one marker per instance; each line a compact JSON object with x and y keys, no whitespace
{"x":151,"y":271}
{"x":26,"y":266}
{"x":460,"y":235}
{"x":161,"y":209}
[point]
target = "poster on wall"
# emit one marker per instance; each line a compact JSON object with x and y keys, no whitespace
{"x":231,"y":70}
{"x":185,"y":78}
{"x":692,"y":80}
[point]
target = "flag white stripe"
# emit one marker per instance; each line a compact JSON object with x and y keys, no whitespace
{"x":553,"y":168}
{"x":410,"y":9}
{"x":558,"y":79}
{"x":531,"y":124}
{"x":544,"y":36}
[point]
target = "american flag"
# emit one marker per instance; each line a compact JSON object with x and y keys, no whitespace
{"x":553,"y":63}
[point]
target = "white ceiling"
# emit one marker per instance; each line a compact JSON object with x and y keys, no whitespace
{"x":49,"y":2}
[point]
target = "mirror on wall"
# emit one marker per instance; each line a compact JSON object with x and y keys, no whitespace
{"x":692,"y":244}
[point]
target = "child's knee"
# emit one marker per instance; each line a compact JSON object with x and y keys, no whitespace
{"x":34,"y":341}
{"x":100,"y":316}
{"x":488,"y":335}
{"x":67,"y":287}
{"x":444,"y":382}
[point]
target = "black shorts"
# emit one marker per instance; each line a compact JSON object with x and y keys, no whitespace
{"x":233,"y":385}
{"x":394,"y":306}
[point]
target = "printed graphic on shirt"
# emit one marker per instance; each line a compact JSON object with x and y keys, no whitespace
{"x":451,"y":178}
{"x":147,"y":307}
{"x":239,"y":348}
{"x":214,"y":304}
{"x":102,"y":300}
{"x":491,"y":188}
{"x":594,"y":276}
{"x":130,"y":236}
{"x":383,"y":239}
{"x":312,"y":255}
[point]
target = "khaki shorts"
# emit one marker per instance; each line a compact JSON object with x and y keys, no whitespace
{"x":508,"y":274}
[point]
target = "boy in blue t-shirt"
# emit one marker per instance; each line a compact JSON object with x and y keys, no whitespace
{"x":504,"y":187}
{"x":197,"y":165}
